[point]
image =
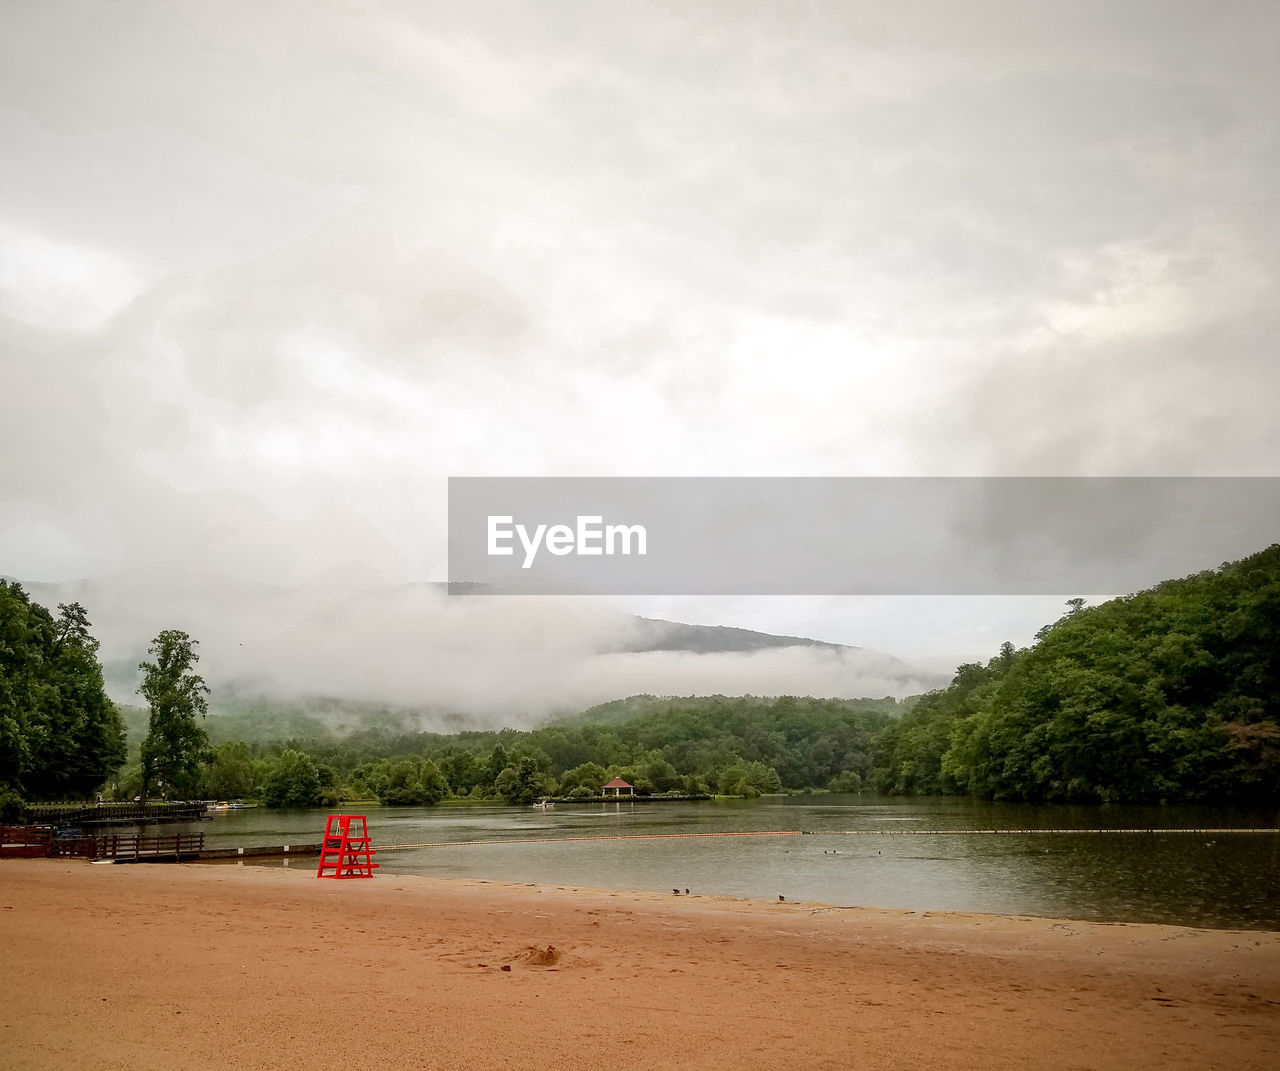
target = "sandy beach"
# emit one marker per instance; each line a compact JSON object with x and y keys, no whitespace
{"x":204,"y":966}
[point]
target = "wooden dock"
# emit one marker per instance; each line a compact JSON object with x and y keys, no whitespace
{"x":25,"y":842}
{"x":146,"y":847}
{"x":39,"y":842}
{"x":117,"y":814}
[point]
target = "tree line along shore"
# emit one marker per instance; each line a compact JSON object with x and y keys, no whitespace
{"x":1170,"y":694}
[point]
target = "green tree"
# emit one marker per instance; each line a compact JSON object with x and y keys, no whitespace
{"x":657,"y":772}
{"x":293,"y":782}
{"x":849,"y":781}
{"x":520,"y":783}
{"x":461,"y":769}
{"x":229,"y":774}
{"x":749,"y":779}
{"x":413,"y":783}
{"x":176,"y":745}
{"x":1167,"y":694}
{"x":590,"y":775}
{"x":909,"y":753}
{"x":60,"y":736}
{"x":499,"y":760}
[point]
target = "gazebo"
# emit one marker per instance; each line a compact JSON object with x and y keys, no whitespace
{"x":618,"y":787}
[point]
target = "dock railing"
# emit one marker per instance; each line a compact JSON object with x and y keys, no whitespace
{"x":126,"y":813}
{"x":147,"y":845}
{"x":25,"y":842}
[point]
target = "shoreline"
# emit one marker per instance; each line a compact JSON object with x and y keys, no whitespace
{"x":212,"y":965}
{"x":307,"y":870}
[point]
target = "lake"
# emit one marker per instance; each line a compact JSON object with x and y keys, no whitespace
{"x":1216,"y":880}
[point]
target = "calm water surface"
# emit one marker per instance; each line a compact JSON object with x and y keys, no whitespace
{"x":1230,"y":881}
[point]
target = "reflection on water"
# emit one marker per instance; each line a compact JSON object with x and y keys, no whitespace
{"x":1230,"y":880}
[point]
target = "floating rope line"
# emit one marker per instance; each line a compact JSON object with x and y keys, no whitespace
{"x":1022,"y":832}
{"x":819,"y":833}
{"x":567,"y":840}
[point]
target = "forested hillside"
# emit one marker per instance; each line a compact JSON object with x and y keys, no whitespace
{"x":1169,"y":694}
{"x":743,"y":746}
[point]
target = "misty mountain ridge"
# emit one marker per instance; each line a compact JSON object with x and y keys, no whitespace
{"x":415,"y":656}
{"x":655,"y":634}
{"x":637,"y":707}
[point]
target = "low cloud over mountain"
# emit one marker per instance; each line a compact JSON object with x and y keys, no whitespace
{"x":497,"y":661}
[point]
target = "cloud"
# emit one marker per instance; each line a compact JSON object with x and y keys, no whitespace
{"x":270,"y":274}
{"x":52,"y":285}
{"x":495,"y":661}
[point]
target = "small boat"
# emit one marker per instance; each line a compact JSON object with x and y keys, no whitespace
{"x":543,"y":805}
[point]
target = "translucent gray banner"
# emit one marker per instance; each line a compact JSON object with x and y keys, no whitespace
{"x":850,"y":535}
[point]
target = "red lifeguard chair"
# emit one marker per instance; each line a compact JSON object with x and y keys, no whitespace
{"x":345,"y":851}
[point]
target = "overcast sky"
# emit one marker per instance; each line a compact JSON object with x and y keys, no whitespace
{"x":271,"y":272}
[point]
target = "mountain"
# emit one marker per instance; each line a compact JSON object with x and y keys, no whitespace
{"x":348,"y":650}
{"x":654,"y":634}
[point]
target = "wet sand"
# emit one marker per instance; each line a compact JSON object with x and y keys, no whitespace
{"x":172,"y":967}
